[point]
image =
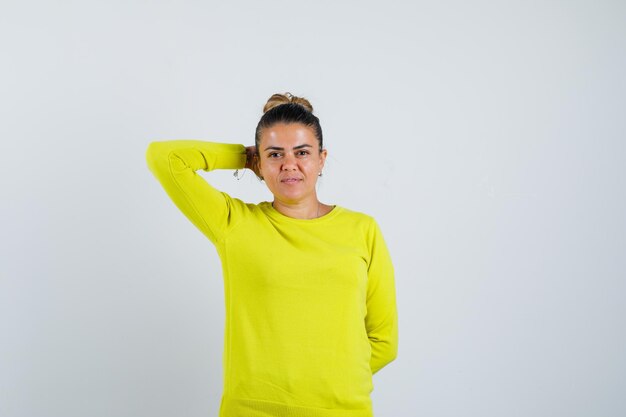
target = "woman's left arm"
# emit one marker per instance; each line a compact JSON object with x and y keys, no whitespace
{"x":381,"y":320}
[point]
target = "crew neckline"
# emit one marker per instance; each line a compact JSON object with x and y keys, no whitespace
{"x":269,"y":209}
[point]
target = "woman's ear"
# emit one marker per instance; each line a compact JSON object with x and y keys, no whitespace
{"x":323,"y":155}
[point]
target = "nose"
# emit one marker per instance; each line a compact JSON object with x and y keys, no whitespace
{"x":289,"y":163}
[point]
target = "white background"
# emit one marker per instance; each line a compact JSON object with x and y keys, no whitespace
{"x":487,"y":138}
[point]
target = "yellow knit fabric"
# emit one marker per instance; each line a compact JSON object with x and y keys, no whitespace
{"x":310,"y":304}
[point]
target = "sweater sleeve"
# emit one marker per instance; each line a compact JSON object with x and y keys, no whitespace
{"x":381,"y":320}
{"x":174,"y":164}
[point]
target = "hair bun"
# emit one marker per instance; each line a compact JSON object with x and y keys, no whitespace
{"x":278,"y":99}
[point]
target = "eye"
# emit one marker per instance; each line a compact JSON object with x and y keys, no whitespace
{"x":303,"y":152}
{"x":273,"y":155}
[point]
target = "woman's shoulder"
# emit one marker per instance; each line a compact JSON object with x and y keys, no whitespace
{"x":357,"y":216}
{"x":353,"y":212}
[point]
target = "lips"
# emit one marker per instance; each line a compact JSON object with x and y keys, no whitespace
{"x":290,"y":180}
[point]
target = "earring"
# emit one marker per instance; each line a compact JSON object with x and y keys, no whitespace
{"x":320,"y":174}
{"x":236,"y":174}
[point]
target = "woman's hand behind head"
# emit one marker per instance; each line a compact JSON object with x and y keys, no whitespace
{"x":252,"y":160}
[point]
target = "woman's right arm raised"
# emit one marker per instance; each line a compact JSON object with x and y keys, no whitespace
{"x":174,"y":164}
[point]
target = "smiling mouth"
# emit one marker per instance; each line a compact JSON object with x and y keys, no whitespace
{"x":290,"y":180}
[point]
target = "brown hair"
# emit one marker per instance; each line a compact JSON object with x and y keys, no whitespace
{"x":287,"y":108}
{"x":278,"y":99}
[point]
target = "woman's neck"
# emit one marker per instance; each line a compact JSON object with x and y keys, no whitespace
{"x":303,"y":210}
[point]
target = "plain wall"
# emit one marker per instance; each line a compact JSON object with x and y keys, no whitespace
{"x":487,"y":139}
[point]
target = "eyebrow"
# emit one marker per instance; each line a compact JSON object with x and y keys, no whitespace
{"x":276,"y":148}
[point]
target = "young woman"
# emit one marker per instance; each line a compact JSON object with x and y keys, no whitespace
{"x":309,"y":287}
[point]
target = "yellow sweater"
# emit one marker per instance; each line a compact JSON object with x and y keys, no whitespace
{"x":310,"y":304}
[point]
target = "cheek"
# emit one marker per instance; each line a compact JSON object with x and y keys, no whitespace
{"x":267,"y":168}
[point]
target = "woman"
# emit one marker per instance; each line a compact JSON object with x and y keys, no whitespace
{"x":310,"y":297}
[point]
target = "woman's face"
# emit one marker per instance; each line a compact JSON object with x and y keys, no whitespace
{"x":290,"y":162}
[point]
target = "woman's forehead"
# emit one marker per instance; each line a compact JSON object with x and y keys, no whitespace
{"x":287,"y":136}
